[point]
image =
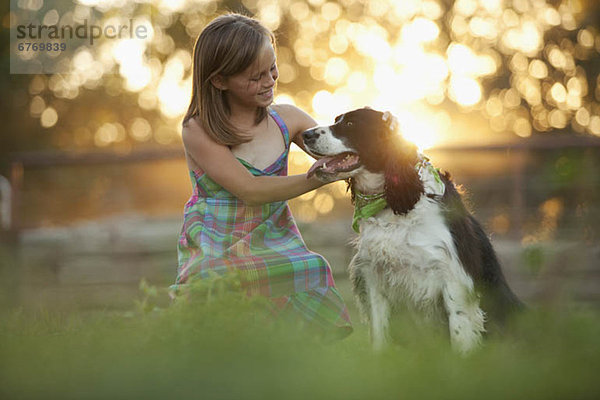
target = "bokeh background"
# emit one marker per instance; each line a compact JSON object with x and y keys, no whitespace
{"x":504,"y":94}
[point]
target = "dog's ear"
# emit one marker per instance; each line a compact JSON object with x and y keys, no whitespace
{"x":403,"y":187}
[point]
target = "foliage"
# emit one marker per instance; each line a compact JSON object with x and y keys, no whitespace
{"x":527,"y":66}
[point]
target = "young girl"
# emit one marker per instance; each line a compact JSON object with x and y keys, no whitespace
{"x":237,"y":146}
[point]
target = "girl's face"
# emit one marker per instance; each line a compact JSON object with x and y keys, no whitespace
{"x":254,"y":87}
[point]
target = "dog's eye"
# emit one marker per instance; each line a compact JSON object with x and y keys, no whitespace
{"x":349,"y":123}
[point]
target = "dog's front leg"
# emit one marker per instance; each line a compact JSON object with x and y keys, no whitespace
{"x":465,"y":318}
{"x":379,"y":313}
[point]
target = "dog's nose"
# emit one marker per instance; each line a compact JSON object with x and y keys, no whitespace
{"x":311,"y":135}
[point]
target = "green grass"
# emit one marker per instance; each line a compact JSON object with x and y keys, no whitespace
{"x":219,"y":344}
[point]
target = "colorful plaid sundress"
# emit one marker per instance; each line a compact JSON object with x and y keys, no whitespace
{"x":221,"y":233}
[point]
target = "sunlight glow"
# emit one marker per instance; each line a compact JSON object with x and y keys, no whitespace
{"x":451,"y":72}
{"x":284,"y":98}
{"x":140,"y":130}
{"x":37,"y":106}
{"x":465,"y":91}
{"x":423,"y":128}
{"x":129,"y":53}
{"x":328,"y":105}
{"x":336,"y":70}
{"x":463,"y":61}
{"x":49,"y":117}
{"x":173,"y":96}
{"x":357,"y":82}
{"x":420,"y":30}
{"x":172,"y":5}
{"x":270,"y":15}
{"x":372,"y":42}
{"x":526,"y":38}
{"x":391,"y":55}
{"x":558,"y":92}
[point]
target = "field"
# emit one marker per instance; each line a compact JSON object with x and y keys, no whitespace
{"x":94,"y":342}
{"x":505,"y":95}
{"x":221,"y":344}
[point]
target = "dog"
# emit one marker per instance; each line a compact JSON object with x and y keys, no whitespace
{"x":418,"y":247}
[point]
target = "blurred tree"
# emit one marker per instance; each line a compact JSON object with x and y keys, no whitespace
{"x":527,"y":66}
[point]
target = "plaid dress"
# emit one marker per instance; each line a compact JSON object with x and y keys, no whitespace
{"x":220,"y":233}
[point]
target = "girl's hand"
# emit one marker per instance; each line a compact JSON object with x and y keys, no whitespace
{"x":326,"y":177}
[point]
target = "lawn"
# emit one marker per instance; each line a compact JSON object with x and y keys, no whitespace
{"x":220,"y":344}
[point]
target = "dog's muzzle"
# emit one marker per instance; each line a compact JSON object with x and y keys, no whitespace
{"x":310,"y":136}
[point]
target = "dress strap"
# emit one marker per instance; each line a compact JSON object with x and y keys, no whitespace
{"x":282,"y":127}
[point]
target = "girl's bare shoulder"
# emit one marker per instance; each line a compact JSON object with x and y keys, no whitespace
{"x":194,"y":134}
{"x":196,"y":141}
{"x":288,"y":111}
{"x":296,"y":120}
{"x":191,"y":126}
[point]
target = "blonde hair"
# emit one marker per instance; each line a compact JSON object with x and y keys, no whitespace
{"x":227,"y":46}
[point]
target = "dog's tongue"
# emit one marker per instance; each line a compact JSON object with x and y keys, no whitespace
{"x":319,"y":163}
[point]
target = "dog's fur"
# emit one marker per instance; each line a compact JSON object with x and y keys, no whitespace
{"x":425,"y":251}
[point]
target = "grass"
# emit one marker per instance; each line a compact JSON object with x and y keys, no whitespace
{"x":217,"y":343}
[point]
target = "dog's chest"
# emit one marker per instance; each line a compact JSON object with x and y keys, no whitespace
{"x":419,"y":240}
{"x":408,"y":257}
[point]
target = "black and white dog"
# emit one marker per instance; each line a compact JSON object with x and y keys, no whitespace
{"x":418,"y":246}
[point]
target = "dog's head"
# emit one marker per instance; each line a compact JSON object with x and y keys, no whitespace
{"x":366,"y":142}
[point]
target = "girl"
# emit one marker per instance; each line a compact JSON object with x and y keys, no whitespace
{"x":236,"y":146}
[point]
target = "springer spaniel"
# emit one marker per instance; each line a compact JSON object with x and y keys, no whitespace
{"x":418,"y":246}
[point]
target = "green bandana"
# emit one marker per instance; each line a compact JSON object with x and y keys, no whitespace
{"x":437,"y":187}
{"x":366,"y":206}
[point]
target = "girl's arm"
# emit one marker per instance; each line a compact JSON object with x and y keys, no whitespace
{"x":221,"y":165}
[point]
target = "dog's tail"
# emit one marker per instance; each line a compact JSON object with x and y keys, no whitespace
{"x":499,"y":301}
{"x":479,"y":258}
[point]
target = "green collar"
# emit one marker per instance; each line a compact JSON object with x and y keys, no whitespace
{"x":365,"y":206}
{"x":435,"y":187}
{"x":368,"y":205}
